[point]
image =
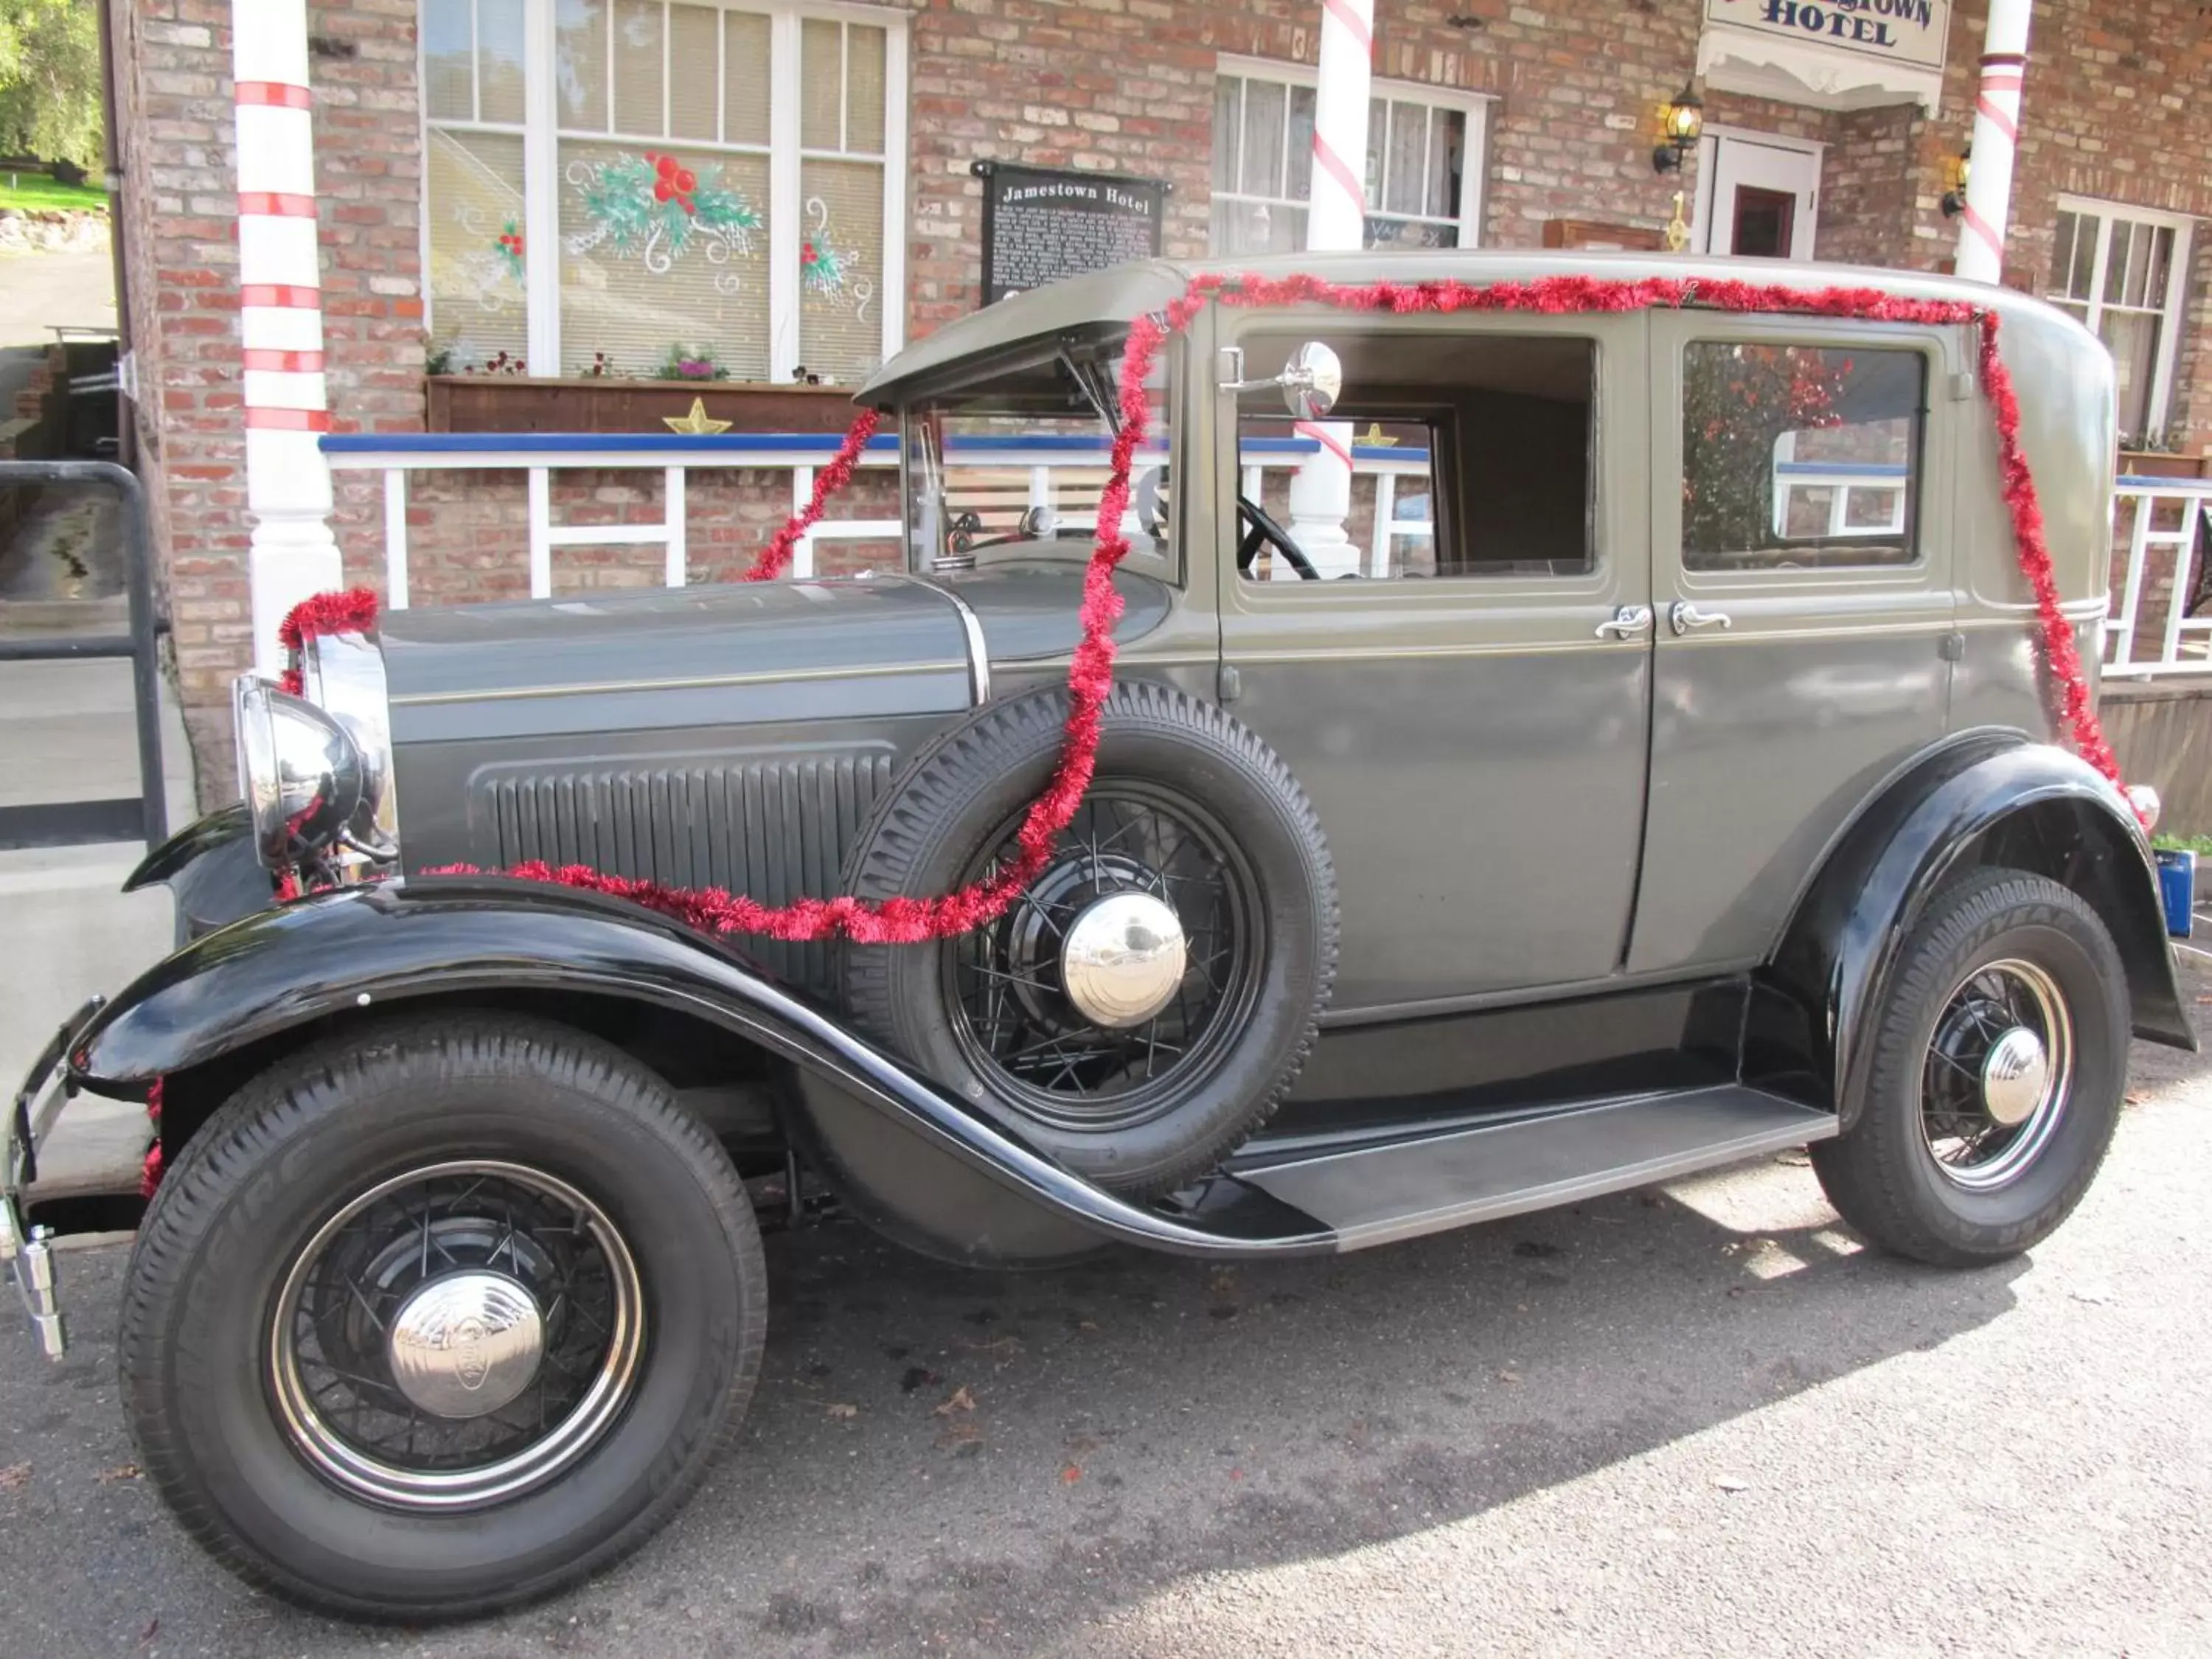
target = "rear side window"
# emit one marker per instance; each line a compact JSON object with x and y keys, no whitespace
{"x":1799,"y":457}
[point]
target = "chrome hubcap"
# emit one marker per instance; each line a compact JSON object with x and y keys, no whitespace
{"x":466,"y":1345}
{"x":1999,"y":1070}
{"x":2015,"y":1076}
{"x":1122,"y":959}
{"x":456,"y":1336}
{"x":1124,"y":975}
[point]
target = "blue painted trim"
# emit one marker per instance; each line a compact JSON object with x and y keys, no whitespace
{"x":739,"y":444}
{"x":570,"y":443}
{"x":1844,"y":469}
{"x":2152,"y":481}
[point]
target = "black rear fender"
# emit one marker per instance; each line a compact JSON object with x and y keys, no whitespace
{"x":230,"y":1002}
{"x":1984,"y":800}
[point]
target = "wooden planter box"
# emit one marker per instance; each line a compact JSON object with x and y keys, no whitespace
{"x":2157,"y":464}
{"x":510,"y":402}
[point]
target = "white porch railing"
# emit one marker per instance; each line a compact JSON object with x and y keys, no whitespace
{"x":2160,"y":516}
{"x":539,"y":456}
{"x":2155,"y":520}
{"x":1848,"y":484}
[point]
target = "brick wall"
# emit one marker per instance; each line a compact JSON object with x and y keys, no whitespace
{"x":2113,"y":109}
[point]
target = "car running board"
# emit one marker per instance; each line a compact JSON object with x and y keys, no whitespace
{"x":1376,"y":1194}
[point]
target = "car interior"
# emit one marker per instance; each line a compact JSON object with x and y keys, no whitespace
{"x":1508,"y":425}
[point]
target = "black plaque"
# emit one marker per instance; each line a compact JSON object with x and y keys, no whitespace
{"x":1041,"y":224}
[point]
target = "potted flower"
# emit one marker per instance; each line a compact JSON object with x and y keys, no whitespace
{"x":686,"y":362}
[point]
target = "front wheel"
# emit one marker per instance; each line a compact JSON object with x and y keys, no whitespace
{"x":1998,"y":1063}
{"x":441,"y":1317}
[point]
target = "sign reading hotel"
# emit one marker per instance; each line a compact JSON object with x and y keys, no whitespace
{"x":1904,"y":32}
{"x":1040,"y":224}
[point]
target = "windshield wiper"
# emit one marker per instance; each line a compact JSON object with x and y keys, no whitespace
{"x":1097,"y":387}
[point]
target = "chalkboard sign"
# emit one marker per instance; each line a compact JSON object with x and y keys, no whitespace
{"x":1042,"y":224}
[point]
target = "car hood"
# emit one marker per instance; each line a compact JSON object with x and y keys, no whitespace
{"x":740,"y":653}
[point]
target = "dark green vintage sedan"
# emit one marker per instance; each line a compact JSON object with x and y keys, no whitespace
{"x":1639,"y":759}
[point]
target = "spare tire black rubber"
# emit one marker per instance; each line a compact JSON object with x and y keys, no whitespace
{"x":1186,"y":803}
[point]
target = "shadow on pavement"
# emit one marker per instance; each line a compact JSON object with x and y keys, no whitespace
{"x":1142,"y":1419}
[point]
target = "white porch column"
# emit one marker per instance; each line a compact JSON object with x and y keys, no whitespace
{"x":1320,"y":490}
{"x":287,"y":483}
{"x":1996,"y":134}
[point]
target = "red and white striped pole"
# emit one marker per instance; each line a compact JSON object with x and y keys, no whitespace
{"x":1997,"y":135}
{"x":1336,"y":222}
{"x":291,"y":554}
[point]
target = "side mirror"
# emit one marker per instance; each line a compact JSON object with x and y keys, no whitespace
{"x":1311,"y":381}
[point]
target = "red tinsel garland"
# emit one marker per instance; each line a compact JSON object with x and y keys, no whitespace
{"x":149,"y":1173}
{"x":771,"y":560}
{"x":353,"y":611}
{"x":909,"y":921}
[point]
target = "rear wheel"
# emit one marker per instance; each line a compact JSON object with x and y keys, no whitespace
{"x":441,"y":1317}
{"x":1995,"y":1083}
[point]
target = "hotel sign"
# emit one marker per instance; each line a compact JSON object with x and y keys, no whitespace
{"x":1907,"y":32}
{"x":1041,"y":224}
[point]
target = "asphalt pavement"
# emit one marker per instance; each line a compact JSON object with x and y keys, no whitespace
{"x":1695,"y":1419}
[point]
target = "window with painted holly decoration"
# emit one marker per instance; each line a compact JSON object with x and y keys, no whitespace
{"x":656,"y":188}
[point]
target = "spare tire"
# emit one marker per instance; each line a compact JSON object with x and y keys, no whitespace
{"x":1152,"y":997}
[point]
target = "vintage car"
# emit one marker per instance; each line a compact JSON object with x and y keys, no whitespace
{"x":1655,"y":771}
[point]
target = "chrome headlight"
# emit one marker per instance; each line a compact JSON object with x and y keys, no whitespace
{"x":303,"y":774}
{"x":343,"y":674}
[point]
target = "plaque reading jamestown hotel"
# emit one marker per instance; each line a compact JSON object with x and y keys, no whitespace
{"x":1040,"y":225}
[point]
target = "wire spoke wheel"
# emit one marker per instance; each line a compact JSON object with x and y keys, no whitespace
{"x":455,"y":1336}
{"x":1998,"y":1075}
{"x":1089,"y":1041}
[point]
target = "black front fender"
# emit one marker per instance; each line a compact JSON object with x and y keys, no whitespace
{"x":1986,"y":798}
{"x":212,"y":871}
{"x":917,"y":1152}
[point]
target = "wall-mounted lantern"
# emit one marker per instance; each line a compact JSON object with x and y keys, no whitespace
{"x":1956,"y":172}
{"x":1680,"y":121}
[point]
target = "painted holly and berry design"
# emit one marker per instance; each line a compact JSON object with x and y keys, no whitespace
{"x":653,"y":209}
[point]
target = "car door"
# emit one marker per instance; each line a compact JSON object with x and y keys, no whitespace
{"x":1802,"y":488}
{"x":1468,"y":711}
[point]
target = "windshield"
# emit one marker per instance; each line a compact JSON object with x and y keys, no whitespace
{"x":1012,"y":467}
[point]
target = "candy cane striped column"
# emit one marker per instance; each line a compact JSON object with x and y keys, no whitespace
{"x":1336,"y":222}
{"x":1996,"y":134}
{"x":291,"y":553}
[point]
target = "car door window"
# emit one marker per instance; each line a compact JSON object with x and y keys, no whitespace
{"x":1799,"y":457}
{"x":1472,"y":455}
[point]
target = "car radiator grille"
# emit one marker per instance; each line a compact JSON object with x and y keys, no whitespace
{"x":778,"y":830}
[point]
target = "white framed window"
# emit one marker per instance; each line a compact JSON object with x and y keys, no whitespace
{"x":1425,"y":147}
{"x":617,"y":186}
{"x":2123,"y":271}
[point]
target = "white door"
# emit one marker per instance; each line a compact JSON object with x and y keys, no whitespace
{"x":1764,"y":197}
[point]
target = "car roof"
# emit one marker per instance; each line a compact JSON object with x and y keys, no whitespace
{"x":1105,"y":301}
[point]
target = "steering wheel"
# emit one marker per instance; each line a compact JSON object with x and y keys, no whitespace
{"x":1151,"y":508}
{"x":1264,"y":531}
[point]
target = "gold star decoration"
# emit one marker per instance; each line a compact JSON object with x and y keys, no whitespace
{"x":697,"y":424}
{"x":1373,"y":438}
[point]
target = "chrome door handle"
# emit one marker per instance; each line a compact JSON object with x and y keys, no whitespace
{"x":1628,"y":623}
{"x":1683,"y":616}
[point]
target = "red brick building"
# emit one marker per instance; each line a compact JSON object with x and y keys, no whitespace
{"x":485,"y":172}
